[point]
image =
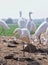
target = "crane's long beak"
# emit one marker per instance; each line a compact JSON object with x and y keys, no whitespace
{"x":13,"y":34}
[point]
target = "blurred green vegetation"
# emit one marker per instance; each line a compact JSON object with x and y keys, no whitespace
{"x":8,"y":32}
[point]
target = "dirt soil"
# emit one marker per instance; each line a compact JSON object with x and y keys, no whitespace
{"x":14,"y":53}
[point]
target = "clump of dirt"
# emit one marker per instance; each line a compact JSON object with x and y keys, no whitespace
{"x":11,"y":45}
{"x":34,"y":63}
{"x":30,"y":48}
{"x":3,"y":61}
{"x":4,"y":40}
{"x":43,"y":50}
{"x":10,"y":56}
{"x":13,"y":42}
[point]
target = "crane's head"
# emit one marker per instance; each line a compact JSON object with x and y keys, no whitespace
{"x":46,"y":19}
{"x":20,"y":13}
{"x":30,"y":14}
{"x":17,"y":31}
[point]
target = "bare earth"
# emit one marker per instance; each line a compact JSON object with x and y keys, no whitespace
{"x":13,"y":54}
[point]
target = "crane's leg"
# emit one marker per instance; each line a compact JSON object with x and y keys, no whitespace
{"x":23,"y":49}
{"x":29,"y":47}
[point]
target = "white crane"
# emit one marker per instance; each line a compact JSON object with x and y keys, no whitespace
{"x":22,"y":21}
{"x":42,"y":28}
{"x":30,"y":25}
{"x":23,"y":34}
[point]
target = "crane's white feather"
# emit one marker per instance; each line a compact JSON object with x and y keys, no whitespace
{"x":23,"y":33}
{"x":41,"y":29}
{"x":22,"y":21}
{"x":4,"y":25}
{"x":31,"y":25}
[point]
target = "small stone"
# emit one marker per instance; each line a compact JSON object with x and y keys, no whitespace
{"x":33,"y":63}
{"x":11,"y":45}
{"x":10,"y":56}
{"x":39,"y":58}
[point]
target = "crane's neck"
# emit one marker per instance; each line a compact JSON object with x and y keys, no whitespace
{"x":30,"y":16}
{"x":20,"y":14}
{"x":47,"y":20}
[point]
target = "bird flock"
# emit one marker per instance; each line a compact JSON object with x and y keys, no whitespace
{"x":26,"y":26}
